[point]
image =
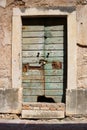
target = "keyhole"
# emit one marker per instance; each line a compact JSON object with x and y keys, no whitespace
{"x":47,"y":55}
{"x":45,"y":37}
{"x":38,"y":54}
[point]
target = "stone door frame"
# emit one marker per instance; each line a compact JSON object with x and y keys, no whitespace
{"x":18,"y":13}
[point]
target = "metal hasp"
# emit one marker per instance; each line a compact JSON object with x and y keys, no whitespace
{"x":42,"y":62}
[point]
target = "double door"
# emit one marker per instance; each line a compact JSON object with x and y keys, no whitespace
{"x":43,"y":59}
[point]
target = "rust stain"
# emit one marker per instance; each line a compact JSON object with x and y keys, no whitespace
{"x":57,"y":65}
{"x":23,"y":28}
{"x":25,"y":67}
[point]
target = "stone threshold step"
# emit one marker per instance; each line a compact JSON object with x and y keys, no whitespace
{"x":43,"y":110}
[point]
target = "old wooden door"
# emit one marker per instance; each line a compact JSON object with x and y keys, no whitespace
{"x":44,"y":59}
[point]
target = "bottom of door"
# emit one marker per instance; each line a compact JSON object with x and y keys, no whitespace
{"x":49,"y":99}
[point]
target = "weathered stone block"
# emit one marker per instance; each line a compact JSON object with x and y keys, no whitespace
{"x":76,"y":102}
{"x":81,"y":106}
{"x":43,"y":110}
{"x":42,"y":114}
{"x":71,"y":99}
{"x":9,"y":101}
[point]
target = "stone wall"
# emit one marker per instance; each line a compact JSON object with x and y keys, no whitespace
{"x":6,"y":8}
{"x":6,"y":35}
{"x":82,"y":45}
{"x":5,"y":47}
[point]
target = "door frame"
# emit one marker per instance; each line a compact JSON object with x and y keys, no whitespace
{"x":18,"y":13}
{"x":45,"y":88}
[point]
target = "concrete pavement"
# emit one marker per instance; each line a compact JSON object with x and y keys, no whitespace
{"x":41,"y":125}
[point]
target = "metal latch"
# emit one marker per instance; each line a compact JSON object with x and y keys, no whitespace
{"x":42,"y":62}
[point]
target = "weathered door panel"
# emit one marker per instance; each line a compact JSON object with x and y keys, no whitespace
{"x":35,"y":85}
{"x":57,"y":33}
{"x":33,"y":72}
{"x":54,"y":51}
{"x":54,"y":72}
{"x":54,"y":65}
{"x":43,"y":51}
{"x":34,"y":47}
{"x":32,"y":77}
{"x":53,"y":47}
{"x":30,"y":60}
{"x":31,"y":28}
{"x":29,"y":98}
{"x":54,"y":85}
{"x":32,"y":40}
{"x":54,"y":61}
{"x":32,"y":52}
{"x":33,"y":34}
{"x":54,"y":27}
{"x":53,"y":92}
{"x":53,"y":79}
{"x":32,"y":92}
{"x":53,"y":40}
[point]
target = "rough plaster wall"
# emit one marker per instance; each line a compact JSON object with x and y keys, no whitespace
{"x":5,"y":37}
{"x":6,"y":28}
{"x":48,"y":3}
{"x":82,"y":45}
{"x":5,"y":47}
{"x":82,"y":67}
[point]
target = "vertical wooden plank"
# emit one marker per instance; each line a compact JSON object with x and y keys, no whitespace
{"x":54,"y":46}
